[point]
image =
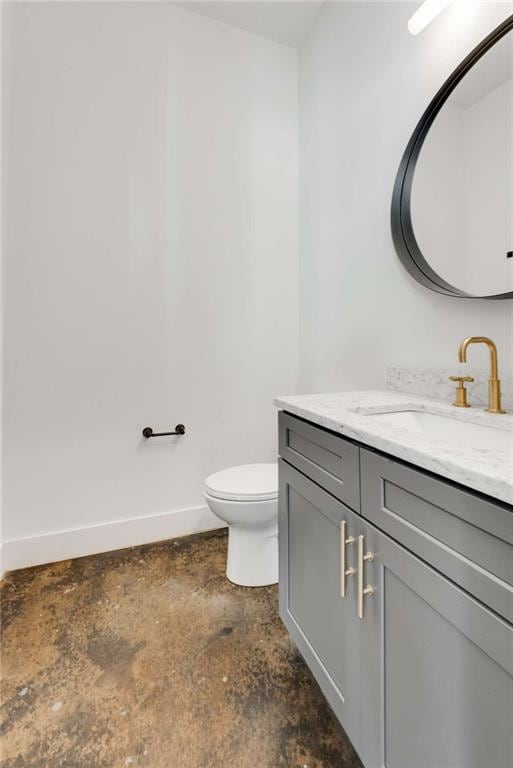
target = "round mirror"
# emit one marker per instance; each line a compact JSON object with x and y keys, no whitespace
{"x":452,"y":208}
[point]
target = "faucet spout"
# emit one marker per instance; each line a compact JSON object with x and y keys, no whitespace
{"x":494,"y":385}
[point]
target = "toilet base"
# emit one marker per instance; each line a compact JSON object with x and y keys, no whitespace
{"x":252,"y":556}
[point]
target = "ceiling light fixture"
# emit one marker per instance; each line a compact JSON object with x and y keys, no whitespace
{"x":424,"y":15}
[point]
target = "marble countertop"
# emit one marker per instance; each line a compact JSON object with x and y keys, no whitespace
{"x":488,"y":470}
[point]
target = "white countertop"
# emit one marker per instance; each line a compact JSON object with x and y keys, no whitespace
{"x":488,"y":470}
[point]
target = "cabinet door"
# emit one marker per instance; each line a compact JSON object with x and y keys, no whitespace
{"x":321,"y":621}
{"x":437,"y":668}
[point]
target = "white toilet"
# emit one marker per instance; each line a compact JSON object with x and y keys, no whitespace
{"x":246,"y":498}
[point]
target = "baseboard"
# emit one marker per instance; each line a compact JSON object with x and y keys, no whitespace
{"x":78,"y":542}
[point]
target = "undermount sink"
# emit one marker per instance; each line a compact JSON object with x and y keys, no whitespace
{"x":456,"y":431}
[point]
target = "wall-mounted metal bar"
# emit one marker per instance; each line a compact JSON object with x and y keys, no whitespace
{"x":148,"y":432}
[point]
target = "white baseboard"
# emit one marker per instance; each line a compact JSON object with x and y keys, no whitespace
{"x":78,"y":542}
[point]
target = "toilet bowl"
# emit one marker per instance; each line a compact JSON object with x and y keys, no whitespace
{"x":246,"y":498}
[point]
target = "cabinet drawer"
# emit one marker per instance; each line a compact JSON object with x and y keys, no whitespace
{"x":329,"y":460}
{"x":461,"y":534}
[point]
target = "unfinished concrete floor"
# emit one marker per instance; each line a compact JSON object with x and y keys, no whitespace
{"x":150,"y":657}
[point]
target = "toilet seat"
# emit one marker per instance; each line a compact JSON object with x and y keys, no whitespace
{"x":248,"y":482}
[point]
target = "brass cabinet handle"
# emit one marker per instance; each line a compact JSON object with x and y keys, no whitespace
{"x":366,"y":591}
{"x":344,"y":572}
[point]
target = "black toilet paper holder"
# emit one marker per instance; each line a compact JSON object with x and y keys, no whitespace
{"x":148,"y":432}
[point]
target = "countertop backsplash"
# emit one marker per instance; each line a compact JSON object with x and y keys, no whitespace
{"x":434,"y":382}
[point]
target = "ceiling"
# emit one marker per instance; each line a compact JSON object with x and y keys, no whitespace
{"x":284,"y":21}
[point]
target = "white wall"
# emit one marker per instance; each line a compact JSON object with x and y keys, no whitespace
{"x":364,"y":83}
{"x":150,"y":257}
{"x":150,"y":253}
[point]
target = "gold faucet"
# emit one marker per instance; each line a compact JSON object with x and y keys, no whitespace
{"x":494,"y":385}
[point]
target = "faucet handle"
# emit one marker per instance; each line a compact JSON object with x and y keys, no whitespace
{"x":461,"y":392}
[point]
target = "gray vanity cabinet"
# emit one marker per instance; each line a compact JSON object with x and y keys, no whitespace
{"x":437,"y":669}
{"x":322,"y":622}
{"x":415,"y":655}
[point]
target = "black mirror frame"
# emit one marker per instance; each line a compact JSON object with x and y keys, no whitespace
{"x":402,"y":227}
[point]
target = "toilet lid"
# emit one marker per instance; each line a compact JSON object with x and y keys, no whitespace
{"x":249,"y":482}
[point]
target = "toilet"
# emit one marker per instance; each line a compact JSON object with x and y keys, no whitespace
{"x":246,"y":498}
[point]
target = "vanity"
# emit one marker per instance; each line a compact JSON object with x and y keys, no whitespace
{"x":396,"y":572}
